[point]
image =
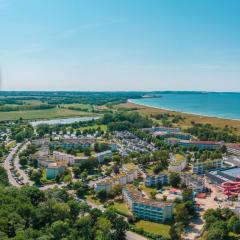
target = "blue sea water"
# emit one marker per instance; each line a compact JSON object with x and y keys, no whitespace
{"x":222,"y":105}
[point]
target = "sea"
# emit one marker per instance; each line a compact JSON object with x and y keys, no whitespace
{"x":221,"y":105}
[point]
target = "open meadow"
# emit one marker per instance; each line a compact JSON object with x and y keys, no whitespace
{"x":42,"y":114}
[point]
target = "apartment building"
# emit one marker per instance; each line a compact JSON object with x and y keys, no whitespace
{"x":195,"y":182}
{"x":154,"y":180}
{"x":178,"y":135}
{"x":201,"y":167}
{"x":152,"y":210}
{"x":68,"y":159}
{"x":120,"y":179}
{"x":198,"y":144}
{"x":177,"y":163}
{"x":103,"y":155}
{"x":53,"y":170}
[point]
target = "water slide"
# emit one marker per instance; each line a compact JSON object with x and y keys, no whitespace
{"x":231,"y":188}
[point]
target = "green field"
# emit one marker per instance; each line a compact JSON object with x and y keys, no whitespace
{"x":156,"y":228}
{"x":103,"y":127}
{"x":122,"y":208}
{"x":88,"y":107}
{"x":42,"y":114}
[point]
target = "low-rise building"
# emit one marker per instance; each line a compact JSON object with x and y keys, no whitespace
{"x":233,"y":148}
{"x":152,"y":210}
{"x":225,"y":175}
{"x":154,"y":180}
{"x":201,"y":167}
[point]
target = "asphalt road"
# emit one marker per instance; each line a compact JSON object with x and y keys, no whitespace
{"x":17,"y":165}
{"x":7,"y":165}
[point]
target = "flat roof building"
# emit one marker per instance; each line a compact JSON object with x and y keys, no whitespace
{"x":147,"y":209}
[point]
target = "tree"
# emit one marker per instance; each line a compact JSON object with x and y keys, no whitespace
{"x":102,"y":195}
{"x":34,"y":194}
{"x":187,"y":194}
{"x":181,"y":214}
{"x":36,"y":176}
{"x":74,"y":209}
{"x":59,"y":230}
{"x":174,"y":179}
{"x":23,"y":160}
{"x":175,"y":231}
{"x":103,"y":229}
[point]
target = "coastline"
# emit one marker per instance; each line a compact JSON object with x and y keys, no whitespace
{"x":188,"y":117}
{"x":182,"y":112}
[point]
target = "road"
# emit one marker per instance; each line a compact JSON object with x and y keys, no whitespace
{"x":24,"y":176}
{"x":133,"y":236}
{"x":7,"y":165}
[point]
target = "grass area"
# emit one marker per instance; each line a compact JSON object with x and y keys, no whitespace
{"x":42,"y":114}
{"x":121,"y":208}
{"x":11,"y":144}
{"x":156,"y":228}
{"x":102,"y":127}
{"x":179,"y":157}
{"x":88,"y":107}
{"x":149,"y":170}
{"x":217,"y":122}
{"x":147,"y":190}
{"x":93,"y":199}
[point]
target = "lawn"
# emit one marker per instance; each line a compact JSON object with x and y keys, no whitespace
{"x":121,"y":208}
{"x":88,"y":107}
{"x":156,"y":228}
{"x":42,"y":114}
{"x":93,"y":199}
{"x":102,"y":126}
{"x":147,"y":190}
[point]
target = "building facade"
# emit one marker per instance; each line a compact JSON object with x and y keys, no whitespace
{"x":103,"y":155}
{"x":120,"y":179}
{"x":154,"y":180}
{"x":195,"y":182}
{"x":201,"y":167}
{"x":147,"y":209}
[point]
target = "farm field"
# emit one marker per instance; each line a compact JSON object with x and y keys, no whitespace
{"x":42,"y":114}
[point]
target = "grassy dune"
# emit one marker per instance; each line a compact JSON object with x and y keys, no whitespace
{"x":42,"y":114}
{"x":217,"y":122}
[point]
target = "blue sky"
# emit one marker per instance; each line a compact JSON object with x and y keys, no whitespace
{"x":120,"y":45}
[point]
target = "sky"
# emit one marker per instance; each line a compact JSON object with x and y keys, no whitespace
{"x":115,"y":45}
